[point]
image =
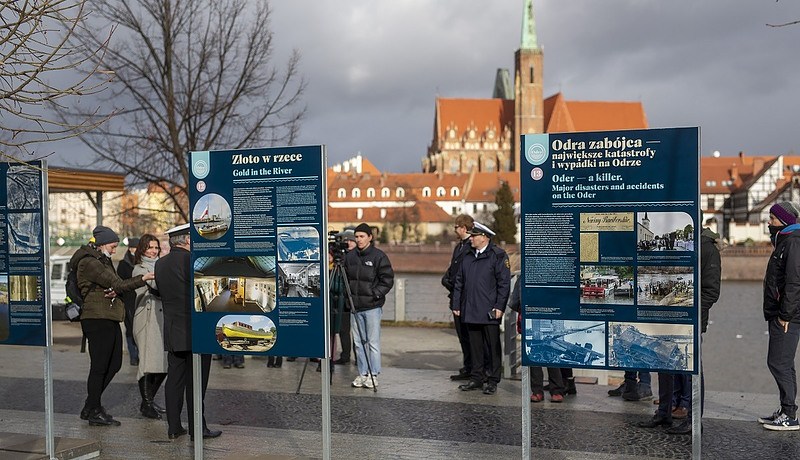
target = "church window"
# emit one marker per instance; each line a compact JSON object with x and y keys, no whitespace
{"x":356,"y":193}
{"x":359,"y":213}
{"x":341,"y":193}
{"x":383,"y":213}
{"x":399,"y":192}
{"x":370,"y":192}
{"x":385,"y":192}
{"x":533,"y":77}
{"x":426,"y":191}
{"x":454,"y":191}
{"x":489,"y":166}
{"x":440,"y":191}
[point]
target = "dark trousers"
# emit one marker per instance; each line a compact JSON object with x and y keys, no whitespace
{"x":105,"y":355}
{"x":666,"y":387}
{"x":179,"y":386}
{"x":228,"y":359}
{"x":485,"y":336}
{"x":345,"y":337}
{"x":780,"y":360}
{"x":463,"y":339}
{"x":554,"y":377}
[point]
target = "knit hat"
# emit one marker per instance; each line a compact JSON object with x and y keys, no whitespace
{"x":349,"y":235}
{"x":104,"y":235}
{"x":362,"y":227}
{"x":786,"y":211}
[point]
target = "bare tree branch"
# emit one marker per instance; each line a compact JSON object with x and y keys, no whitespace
{"x":38,"y":68}
{"x":189,"y":76}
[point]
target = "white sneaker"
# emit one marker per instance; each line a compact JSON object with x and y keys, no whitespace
{"x":359,"y":381}
{"x":370,"y":382}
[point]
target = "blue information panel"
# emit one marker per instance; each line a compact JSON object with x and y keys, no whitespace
{"x":258,"y":251}
{"x":610,"y":249}
{"x":22,"y":254}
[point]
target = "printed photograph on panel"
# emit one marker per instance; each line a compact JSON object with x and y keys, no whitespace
{"x":664,"y":231}
{"x":24,"y":288}
{"x":590,"y":247}
{"x":564,"y":342}
{"x":4,"y":320}
{"x":665,"y":286}
{"x":235,"y":284}
{"x":298,"y":280}
{"x":605,"y":284}
{"x":211,"y":216}
{"x":651,"y":346}
{"x":24,"y":188}
{"x":298,"y":243}
{"x":606,"y":221}
{"x":24,"y":230}
{"x":254,"y":333}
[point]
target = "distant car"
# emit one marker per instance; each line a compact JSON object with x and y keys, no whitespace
{"x":58,"y":281}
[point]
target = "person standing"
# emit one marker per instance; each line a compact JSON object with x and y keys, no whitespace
{"x":125,"y":270}
{"x":710,"y":280}
{"x":172,"y":274}
{"x":370,"y":276}
{"x":102,"y":312}
{"x":148,"y":328}
{"x":781,"y":302}
{"x":480,"y":294}
{"x":463,"y":225}
{"x":345,"y":335}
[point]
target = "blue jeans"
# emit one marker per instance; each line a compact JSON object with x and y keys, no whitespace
{"x":366,"y":328}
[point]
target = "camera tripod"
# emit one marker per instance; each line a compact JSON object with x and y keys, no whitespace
{"x":339,"y":286}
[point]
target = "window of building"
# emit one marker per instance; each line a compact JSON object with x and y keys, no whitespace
{"x":383,"y":213}
{"x":440,"y":191}
{"x":426,"y":191}
{"x":712,"y":202}
{"x":359,"y":213}
{"x":454,"y":191}
{"x":533,"y":77}
{"x":370,"y":192}
{"x":385,"y":192}
{"x":356,"y":193}
{"x":341,"y":193}
{"x":399,"y":192}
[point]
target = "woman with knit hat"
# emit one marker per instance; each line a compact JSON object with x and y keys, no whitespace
{"x":782,"y":312}
{"x":102,"y":312}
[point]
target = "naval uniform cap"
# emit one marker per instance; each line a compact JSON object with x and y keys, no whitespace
{"x":480,"y":229}
{"x":179,"y":230}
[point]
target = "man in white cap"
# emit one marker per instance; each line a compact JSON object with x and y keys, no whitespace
{"x":480,"y":295}
{"x":173,"y":279}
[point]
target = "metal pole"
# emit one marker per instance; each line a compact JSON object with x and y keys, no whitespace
{"x":48,"y":323}
{"x":697,"y":412}
{"x":197,"y":396}
{"x":326,"y":370}
{"x":526,"y":413}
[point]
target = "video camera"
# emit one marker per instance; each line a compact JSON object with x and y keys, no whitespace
{"x":337,"y":244}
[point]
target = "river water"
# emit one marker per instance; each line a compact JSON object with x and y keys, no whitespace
{"x":735,"y":346}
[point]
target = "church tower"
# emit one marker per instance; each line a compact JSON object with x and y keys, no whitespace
{"x":528,"y":79}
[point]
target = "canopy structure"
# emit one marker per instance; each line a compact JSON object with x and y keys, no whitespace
{"x":93,"y":183}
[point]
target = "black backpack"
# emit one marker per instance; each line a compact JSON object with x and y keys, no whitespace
{"x":74,"y":299}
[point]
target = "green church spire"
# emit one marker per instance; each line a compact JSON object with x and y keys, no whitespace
{"x":528,"y":27}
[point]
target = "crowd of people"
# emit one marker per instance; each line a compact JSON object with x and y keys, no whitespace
{"x":152,"y":296}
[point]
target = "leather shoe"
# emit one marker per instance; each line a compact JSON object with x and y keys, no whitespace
{"x":209,"y":433}
{"x":99,"y":417}
{"x":657,"y":420}
{"x":490,"y":389}
{"x":182,"y":431}
{"x":341,"y":361}
{"x":685,"y":427}
{"x":460,"y":376}
{"x":471,"y":385}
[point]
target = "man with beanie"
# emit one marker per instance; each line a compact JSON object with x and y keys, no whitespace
{"x":101,"y":314}
{"x":370,"y":276}
{"x":781,"y":302}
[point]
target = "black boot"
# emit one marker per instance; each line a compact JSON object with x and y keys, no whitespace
{"x":156,"y":380}
{"x":146,"y":408}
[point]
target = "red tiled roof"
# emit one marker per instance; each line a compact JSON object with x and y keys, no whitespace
{"x":463,"y":113}
{"x":561,"y":115}
{"x":420,"y":212}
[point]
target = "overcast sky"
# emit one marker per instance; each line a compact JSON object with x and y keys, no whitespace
{"x":374,"y":68}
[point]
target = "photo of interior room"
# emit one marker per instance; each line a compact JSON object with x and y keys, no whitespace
{"x":298,"y":280}
{"x":235,"y":284}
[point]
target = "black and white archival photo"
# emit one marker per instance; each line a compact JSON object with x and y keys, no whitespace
{"x":24,"y":230}
{"x":564,"y":342}
{"x":664,"y":231}
{"x":651,"y":346}
{"x":298,"y":280}
{"x":665,"y":286}
{"x":24,"y":188}
{"x":298,"y":243}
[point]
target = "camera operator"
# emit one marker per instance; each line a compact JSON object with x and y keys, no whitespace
{"x":346,"y":339}
{"x":370,"y":277}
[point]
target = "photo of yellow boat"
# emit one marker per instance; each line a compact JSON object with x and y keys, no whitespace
{"x":252,"y":333}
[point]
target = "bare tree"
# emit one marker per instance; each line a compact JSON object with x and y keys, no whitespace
{"x":190,"y":76}
{"x":38,"y":72}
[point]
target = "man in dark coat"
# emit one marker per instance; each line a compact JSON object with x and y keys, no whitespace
{"x":125,"y":270}
{"x":463,"y":225}
{"x":480,"y":295}
{"x":173,"y":279}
